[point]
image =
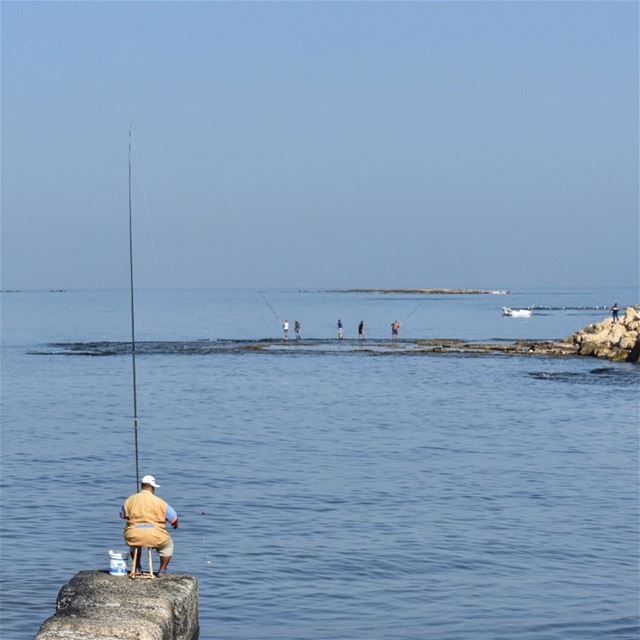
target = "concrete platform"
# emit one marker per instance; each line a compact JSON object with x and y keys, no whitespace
{"x":96,"y":605}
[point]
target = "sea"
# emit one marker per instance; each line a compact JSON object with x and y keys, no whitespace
{"x":327,"y":490}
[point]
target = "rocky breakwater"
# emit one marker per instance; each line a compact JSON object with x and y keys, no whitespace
{"x":617,"y":341}
{"x":96,"y":605}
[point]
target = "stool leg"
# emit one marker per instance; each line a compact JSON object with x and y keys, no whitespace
{"x":135,"y":561}
{"x":150,"y":562}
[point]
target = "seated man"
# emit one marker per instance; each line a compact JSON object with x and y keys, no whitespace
{"x":146,"y":517}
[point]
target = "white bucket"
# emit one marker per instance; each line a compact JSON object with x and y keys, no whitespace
{"x":117,"y":563}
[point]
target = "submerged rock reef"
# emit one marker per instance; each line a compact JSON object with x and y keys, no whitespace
{"x":433,"y":291}
{"x":94,"y":605}
{"x":617,"y":341}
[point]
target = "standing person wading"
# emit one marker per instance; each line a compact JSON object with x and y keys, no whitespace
{"x":147,"y":517}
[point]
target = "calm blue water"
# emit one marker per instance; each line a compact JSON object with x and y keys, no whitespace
{"x":330,"y":496}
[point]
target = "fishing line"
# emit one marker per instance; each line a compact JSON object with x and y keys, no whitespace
{"x":270,"y":307}
{"x":136,"y":159}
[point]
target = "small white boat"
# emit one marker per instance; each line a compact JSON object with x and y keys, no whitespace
{"x":516,"y":313}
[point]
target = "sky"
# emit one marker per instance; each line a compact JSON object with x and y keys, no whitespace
{"x":320,"y":144}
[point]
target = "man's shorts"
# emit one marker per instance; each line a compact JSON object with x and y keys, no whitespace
{"x":164,"y":550}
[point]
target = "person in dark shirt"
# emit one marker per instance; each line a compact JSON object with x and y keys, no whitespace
{"x":614,"y":311}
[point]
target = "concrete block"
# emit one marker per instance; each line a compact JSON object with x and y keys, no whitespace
{"x":96,"y":605}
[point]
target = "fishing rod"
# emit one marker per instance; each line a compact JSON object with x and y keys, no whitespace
{"x":270,"y":307}
{"x":133,"y":324}
{"x":412,"y":312}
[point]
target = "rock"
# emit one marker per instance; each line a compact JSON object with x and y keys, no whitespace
{"x":95,"y":605}
{"x":608,"y":339}
{"x":634,"y":325}
{"x":603,"y":352}
{"x":634,"y":356}
{"x":628,"y":340}
{"x":631,"y":314}
{"x":588,"y":349}
{"x":615,"y":334}
{"x":433,"y":291}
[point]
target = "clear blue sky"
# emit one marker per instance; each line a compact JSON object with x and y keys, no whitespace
{"x":320,"y":144}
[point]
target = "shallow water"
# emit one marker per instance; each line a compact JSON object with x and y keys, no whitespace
{"x":326,"y":496}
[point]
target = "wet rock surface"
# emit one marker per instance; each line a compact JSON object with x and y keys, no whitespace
{"x":616,"y":341}
{"x":94,"y":604}
{"x":334,"y":347}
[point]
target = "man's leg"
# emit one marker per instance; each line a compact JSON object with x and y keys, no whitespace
{"x":166,"y":553}
{"x":164,"y":563}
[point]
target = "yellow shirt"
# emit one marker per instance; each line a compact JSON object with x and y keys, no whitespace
{"x":146,"y":516}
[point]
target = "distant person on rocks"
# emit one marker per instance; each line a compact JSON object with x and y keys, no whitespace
{"x":340,"y":330}
{"x":296,"y":328}
{"x":285,"y":328}
{"x":147,"y":517}
{"x":395,"y":328}
{"x":361,"y":330}
{"x":614,"y":311}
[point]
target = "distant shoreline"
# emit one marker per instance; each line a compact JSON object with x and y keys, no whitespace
{"x":436,"y":291}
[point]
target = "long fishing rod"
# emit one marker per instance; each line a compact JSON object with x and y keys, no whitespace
{"x":414,"y":310}
{"x":133,"y":324}
{"x":270,"y":307}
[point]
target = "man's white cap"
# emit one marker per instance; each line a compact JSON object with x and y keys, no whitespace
{"x":149,"y":480}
